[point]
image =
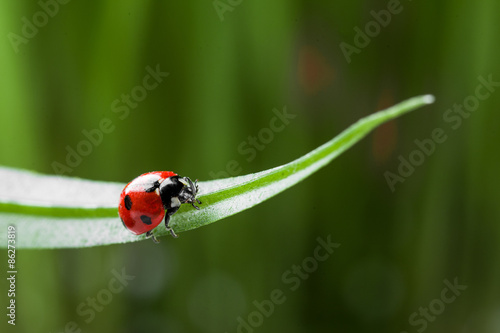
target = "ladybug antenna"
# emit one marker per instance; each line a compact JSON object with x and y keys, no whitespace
{"x":197,"y":189}
{"x":193,"y":188}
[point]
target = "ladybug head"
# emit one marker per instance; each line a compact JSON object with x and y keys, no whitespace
{"x":189,"y":191}
{"x":177,"y":190}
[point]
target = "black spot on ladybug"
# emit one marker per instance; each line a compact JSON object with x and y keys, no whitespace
{"x":128,"y":202}
{"x":146,"y":219}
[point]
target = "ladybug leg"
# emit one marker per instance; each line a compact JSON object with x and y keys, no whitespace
{"x":149,"y":234}
{"x":170,"y":212}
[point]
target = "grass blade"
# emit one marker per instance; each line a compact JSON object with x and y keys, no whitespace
{"x":64,"y":212}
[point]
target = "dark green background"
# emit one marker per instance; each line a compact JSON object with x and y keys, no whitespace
{"x":226,"y":77}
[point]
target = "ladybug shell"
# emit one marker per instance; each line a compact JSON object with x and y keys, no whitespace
{"x":141,"y":208}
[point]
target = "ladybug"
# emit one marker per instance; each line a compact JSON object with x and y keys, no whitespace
{"x":145,"y":199}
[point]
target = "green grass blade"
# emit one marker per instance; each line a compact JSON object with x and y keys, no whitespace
{"x":63,"y":212}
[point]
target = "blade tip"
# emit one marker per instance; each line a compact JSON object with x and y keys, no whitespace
{"x":429,"y":99}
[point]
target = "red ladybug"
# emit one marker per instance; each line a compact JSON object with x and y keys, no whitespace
{"x":144,"y":200}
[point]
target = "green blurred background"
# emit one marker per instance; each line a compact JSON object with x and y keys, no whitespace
{"x":227,"y":72}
